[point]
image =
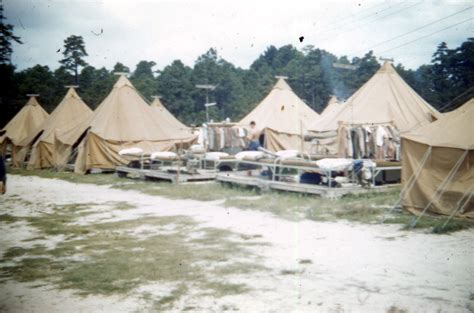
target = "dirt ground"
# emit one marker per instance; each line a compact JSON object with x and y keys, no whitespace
{"x":186,"y":255}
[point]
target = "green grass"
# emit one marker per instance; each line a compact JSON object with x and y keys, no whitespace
{"x":107,"y":258}
{"x":364,"y":208}
{"x":202,"y":192}
{"x":9,"y":219}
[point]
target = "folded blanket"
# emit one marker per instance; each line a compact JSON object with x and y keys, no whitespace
{"x":335,"y":164}
{"x":215,"y":156}
{"x":197,"y":149}
{"x":253,"y":155}
{"x":163,"y":155}
{"x":131,"y":151}
{"x":286,"y":154}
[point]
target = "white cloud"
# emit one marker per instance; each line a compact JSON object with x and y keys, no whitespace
{"x":163,"y":31}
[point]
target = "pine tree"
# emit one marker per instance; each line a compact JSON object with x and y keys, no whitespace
{"x":6,"y":39}
{"x":74,"y":53}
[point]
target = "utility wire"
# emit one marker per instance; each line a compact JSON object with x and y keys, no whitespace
{"x":352,"y":15}
{"x":414,"y":30}
{"x":425,"y":36}
{"x":357,"y":20}
{"x":450,"y":103}
{"x":376,"y":19}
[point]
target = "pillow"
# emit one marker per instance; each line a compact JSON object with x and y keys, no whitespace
{"x":163,"y":155}
{"x":131,"y":151}
{"x":286,"y":154}
{"x":197,"y":149}
{"x":215,"y":156}
{"x":249,"y":155}
{"x":334,"y":164}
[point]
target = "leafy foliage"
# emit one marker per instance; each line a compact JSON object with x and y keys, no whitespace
{"x":6,"y":38}
{"x":445,"y":83}
{"x":74,"y":53}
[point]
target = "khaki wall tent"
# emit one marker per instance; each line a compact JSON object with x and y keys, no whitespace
{"x":327,"y":139}
{"x":438,"y":165}
{"x":22,"y":125}
{"x":331,"y":108}
{"x":283,"y":117}
{"x":386,"y":99}
{"x":123,"y":120}
{"x":70,"y":112}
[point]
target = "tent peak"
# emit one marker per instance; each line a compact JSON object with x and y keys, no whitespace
{"x":282,"y":84}
{"x":32,"y":101}
{"x":123,"y":81}
{"x":387,"y":67}
{"x":156,"y":102}
{"x":71,"y":93}
{"x":332,"y":99}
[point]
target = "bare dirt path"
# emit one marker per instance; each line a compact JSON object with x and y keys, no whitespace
{"x":308,"y":266}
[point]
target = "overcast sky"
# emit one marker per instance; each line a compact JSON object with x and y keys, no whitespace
{"x":163,"y":31}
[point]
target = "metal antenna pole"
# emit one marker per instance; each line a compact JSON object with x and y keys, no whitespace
{"x":207,"y":108}
{"x":207,"y":104}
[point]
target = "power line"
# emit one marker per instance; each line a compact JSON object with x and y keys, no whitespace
{"x":390,"y":14}
{"x":453,"y":101}
{"x":358,"y":20}
{"x":376,"y":19}
{"x":349,"y":16}
{"x":428,"y":35}
{"x":416,"y":29}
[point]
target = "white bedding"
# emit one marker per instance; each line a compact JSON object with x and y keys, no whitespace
{"x":249,"y":155}
{"x":163,"y":155}
{"x":131,"y":151}
{"x":287,"y":154}
{"x":215,"y":156}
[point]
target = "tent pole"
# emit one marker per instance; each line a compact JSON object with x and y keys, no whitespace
{"x":440,"y":189}
{"x":179,"y":161}
{"x":410,"y":183}
{"x":459,"y":205}
{"x":302,"y":138}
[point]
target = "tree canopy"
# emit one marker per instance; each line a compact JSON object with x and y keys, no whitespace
{"x":74,"y":53}
{"x":445,"y":83}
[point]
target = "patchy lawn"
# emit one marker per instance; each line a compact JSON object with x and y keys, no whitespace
{"x":364,"y":208}
{"x":116,"y":257}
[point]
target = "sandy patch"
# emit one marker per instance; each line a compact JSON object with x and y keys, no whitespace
{"x":351,"y":267}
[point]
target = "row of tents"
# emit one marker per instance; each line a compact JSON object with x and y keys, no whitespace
{"x":437,"y":149}
{"x":122,"y":120}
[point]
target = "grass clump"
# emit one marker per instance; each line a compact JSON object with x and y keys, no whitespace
{"x":9,"y":219}
{"x":203,"y":192}
{"x":363,"y":208}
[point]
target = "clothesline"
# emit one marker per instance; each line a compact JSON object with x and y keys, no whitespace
{"x":217,"y":138}
{"x":381,"y":142}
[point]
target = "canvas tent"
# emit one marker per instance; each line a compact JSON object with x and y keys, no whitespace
{"x":385,"y":99}
{"x":70,"y":112}
{"x":22,"y":125}
{"x":331,"y":108}
{"x":164,"y":117}
{"x":123,"y":120}
{"x":326,"y":139}
{"x":438,"y":165}
{"x":282,"y":116}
